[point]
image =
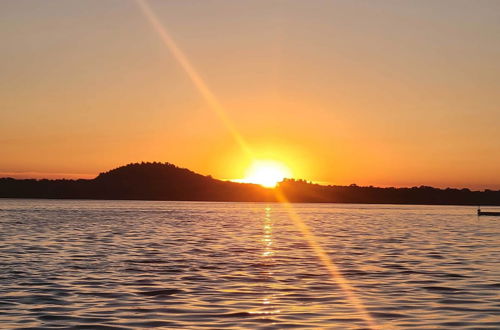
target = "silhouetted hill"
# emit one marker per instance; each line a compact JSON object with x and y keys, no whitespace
{"x":142,"y":181}
{"x":164,"y":181}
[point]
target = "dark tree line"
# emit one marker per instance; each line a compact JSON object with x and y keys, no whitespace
{"x":300,"y":191}
{"x":164,"y":181}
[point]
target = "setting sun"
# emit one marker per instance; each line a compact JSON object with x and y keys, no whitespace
{"x":266,"y":173}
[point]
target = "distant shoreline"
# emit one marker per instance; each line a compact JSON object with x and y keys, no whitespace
{"x":242,"y":202}
{"x":167,"y":182}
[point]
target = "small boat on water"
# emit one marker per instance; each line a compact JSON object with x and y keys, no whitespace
{"x":491,"y":213}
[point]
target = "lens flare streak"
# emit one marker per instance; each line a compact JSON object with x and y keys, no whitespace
{"x":321,"y":254}
{"x":191,"y":72}
{"x":219,"y":110}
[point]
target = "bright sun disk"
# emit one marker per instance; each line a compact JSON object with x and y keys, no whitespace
{"x":266,"y":173}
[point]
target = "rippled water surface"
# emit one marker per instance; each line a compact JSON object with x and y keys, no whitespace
{"x":129,"y":265}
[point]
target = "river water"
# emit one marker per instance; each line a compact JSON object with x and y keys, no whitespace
{"x":138,"y":264}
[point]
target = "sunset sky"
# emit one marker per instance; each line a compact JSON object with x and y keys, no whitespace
{"x":385,"y":93}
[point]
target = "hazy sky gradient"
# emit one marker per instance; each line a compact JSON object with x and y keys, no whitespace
{"x":373,"y":92}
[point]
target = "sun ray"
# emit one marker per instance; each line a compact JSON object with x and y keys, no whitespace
{"x":219,"y":110}
{"x":325,"y":259}
{"x":191,"y":72}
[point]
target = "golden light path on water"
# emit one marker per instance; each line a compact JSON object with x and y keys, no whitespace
{"x":219,"y":110}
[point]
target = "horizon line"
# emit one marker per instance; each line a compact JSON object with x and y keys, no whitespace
{"x":37,"y":175}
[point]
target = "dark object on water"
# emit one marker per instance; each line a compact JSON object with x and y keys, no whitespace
{"x":479,"y":212}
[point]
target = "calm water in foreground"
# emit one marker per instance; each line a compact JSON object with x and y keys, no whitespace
{"x":128,"y":265}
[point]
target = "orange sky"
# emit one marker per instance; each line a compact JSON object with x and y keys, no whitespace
{"x":374,"y":93}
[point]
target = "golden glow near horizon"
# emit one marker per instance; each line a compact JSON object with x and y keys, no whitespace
{"x":266,"y":173}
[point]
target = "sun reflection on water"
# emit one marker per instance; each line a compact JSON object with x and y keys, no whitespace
{"x":267,"y":260}
{"x":267,"y":237}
